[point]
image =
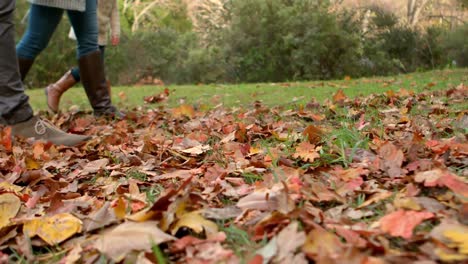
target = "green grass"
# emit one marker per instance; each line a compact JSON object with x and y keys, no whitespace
{"x":238,"y":95}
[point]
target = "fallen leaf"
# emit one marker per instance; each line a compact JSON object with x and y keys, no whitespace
{"x":183,"y":110}
{"x":6,"y":138}
{"x":129,"y":236}
{"x":313,"y":134}
{"x":101,"y":218}
{"x":54,"y":229}
{"x":458,"y":240}
{"x":266,"y":199}
{"x":439,"y":177}
{"x":401,"y":223}
{"x":195,"y":222}
{"x":339,"y":96}
{"x":392,"y":159}
{"x":120,"y":208}
{"x":200,"y":149}
{"x":307,"y":152}
{"x":289,"y":240}
{"x":376,"y":197}
{"x":320,"y":242}
{"x":9,"y":207}
{"x":409,"y":203}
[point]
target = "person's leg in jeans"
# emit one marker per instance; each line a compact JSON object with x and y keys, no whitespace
{"x":42,"y":22}
{"x":14,"y":106}
{"x":90,"y":59}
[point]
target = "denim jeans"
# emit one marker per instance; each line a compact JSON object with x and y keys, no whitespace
{"x":75,"y":71}
{"x":43,"y":21}
{"x":14,"y":105}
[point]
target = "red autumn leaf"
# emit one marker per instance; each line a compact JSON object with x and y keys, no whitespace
{"x":439,"y":177}
{"x":401,"y":223}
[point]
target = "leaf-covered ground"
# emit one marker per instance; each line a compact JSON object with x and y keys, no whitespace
{"x":380,"y":179}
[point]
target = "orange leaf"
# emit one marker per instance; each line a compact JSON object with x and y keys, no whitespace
{"x":6,"y":138}
{"x":38,"y":150}
{"x":339,"y":96}
{"x":119,"y":208}
{"x":307,"y":152}
{"x":401,"y":223}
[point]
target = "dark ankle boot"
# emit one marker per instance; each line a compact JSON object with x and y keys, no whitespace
{"x":94,"y":82}
{"x":55,"y":91}
{"x":24,"y":67}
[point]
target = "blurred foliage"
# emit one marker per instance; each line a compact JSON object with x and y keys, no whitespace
{"x":255,"y":41}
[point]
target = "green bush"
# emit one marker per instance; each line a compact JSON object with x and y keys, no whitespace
{"x":456,"y":46}
{"x":277,"y":40}
{"x":149,"y":54}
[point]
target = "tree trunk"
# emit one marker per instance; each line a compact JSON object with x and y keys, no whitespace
{"x":414,"y":11}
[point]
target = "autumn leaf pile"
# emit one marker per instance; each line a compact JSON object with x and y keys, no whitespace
{"x":381,"y":179}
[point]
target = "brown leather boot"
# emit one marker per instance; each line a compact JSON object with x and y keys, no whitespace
{"x":94,"y":82}
{"x":40,"y":129}
{"x":54,"y":91}
{"x":24,"y":66}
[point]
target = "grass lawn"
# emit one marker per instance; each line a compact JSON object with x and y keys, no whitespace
{"x":269,"y":93}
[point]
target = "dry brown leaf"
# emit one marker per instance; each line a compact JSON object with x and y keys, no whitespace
{"x":265,"y":199}
{"x":129,"y":236}
{"x":320,"y":243}
{"x":313,"y":134}
{"x":392,"y":159}
{"x":289,"y":240}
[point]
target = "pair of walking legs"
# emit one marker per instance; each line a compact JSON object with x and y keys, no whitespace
{"x":43,"y":21}
{"x":15,"y":109}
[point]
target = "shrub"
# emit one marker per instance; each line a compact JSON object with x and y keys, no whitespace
{"x":277,"y":40}
{"x":456,"y":45}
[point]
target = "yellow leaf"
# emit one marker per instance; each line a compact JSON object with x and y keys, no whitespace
{"x":11,"y":188}
{"x":196,"y":222}
{"x":31,"y":164}
{"x":119,"y":208}
{"x":184,"y":110}
{"x":9,"y":207}
{"x":460,"y":240}
{"x":449,"y":257}
{"x":55,"y":229}
{"x":142,"y":216}
{"x":406,"y":203}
